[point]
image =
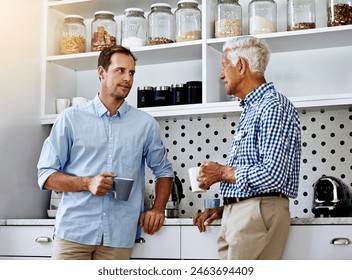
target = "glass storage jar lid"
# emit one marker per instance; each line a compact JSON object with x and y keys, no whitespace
{"x":160,"y":5}
{"x":104,"y":13}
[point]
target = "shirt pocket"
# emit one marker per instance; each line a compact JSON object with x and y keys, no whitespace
{"x":236,"y":143}
{"x":131,"y":159}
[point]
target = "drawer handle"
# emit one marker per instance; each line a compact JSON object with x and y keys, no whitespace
{"x":43,"y":239}
{"x":341,"y":241}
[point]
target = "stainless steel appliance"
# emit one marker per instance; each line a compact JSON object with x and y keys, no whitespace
{"x":55,"y":199}
{"x":172,"y":206}
{"x":332,"y":198}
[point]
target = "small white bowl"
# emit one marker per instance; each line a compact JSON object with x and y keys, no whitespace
{"x":51,"y":213}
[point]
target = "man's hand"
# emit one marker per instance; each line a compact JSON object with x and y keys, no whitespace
{"x":100,"y":184}
{"x":203,"y":219}
{"x":152,"y":220}
{"x":212,"y":172}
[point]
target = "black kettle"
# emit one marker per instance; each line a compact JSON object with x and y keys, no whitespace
{"x":332,"y":198}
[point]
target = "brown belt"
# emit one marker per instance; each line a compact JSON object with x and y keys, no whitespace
{"x":231,"y":200}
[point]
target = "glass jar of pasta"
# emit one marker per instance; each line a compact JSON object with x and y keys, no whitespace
{"x":73,"y":39}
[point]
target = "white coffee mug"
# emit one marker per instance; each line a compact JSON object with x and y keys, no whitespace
{"x":62,"y":104}
{"x":79,"y":100}
{"x":193,"y":173}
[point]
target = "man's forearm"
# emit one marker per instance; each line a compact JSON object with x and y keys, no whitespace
{"x":163,"y":187}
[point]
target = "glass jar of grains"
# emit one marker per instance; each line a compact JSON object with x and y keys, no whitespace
{"x":339,"y":12}
{"x":262,"y":16}
{"x":104,"y":31}
{"x":134,"y":28}
{"x":188,"y":21}
{"x":228,"y":19}
{"x":161,"y":24}
{"x":73,"y":39}
{"x":300,"y":14}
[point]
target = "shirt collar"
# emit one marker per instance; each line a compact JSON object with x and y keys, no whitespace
{"x":256,"y":94}
{"x":101,"y":109}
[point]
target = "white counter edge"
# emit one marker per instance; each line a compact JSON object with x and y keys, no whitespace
{"x":184,"y":221}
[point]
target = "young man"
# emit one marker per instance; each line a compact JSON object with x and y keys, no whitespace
{"x":88,"y":146}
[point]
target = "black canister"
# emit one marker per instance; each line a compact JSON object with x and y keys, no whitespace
{"x":145,"y":96}
{"x":179,"y":94}
{"x":194,"y":92}
{"x":162,"y":96}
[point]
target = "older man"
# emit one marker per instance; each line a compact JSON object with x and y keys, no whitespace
{"x":262,"y":166}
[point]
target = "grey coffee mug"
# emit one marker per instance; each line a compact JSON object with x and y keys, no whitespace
{"x":122,"y":188}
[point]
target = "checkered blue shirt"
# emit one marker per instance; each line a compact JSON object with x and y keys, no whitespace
{"x":266,"y":147}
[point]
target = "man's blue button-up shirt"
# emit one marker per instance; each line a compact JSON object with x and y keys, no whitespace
{"x":86,"y":141}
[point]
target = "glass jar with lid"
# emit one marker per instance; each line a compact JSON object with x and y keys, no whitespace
{"x":73,"y":39}
{"x":300,"y":14}
{"x":161,"y":24}
{"x":188,"y":21}
{"x":104,"y":31}
{"x":134,"y":28}
{"x":228,"y":19}
{"x":262,"y":16}
{"x":339,"y":12}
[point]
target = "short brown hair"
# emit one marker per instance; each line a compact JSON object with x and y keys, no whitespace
{"x":105,"y":55}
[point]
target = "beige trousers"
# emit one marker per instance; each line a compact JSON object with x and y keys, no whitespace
{"x":254,"y":229}
{"x":67,"y":250}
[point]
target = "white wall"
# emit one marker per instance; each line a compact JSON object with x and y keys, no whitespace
{"x":21,"y":134}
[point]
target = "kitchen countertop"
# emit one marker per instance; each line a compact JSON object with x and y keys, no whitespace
{"x":184,"y":221}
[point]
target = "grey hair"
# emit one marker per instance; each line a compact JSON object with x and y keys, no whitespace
{"x":254,"y":50}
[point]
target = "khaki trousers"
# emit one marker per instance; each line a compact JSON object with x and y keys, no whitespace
{"x":254,"y":229}
{"x":67,"y":250}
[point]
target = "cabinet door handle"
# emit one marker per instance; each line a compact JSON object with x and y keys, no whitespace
{"x":341,"y":241}
{"x":43,"y":239}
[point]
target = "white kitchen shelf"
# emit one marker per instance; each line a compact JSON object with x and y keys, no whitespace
{"x":318,"y":78}
{"x":230,"y":107}
{"x":145,"y":55}
{"x":309,"y":39}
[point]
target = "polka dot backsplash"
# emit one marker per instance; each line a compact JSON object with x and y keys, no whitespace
{"x":326,"y":150}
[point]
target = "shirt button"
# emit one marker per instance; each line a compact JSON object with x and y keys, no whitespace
{"x":104,"y":213}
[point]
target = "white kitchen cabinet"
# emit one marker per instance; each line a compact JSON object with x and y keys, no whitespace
{"x":196,"y":245}
{"x":34,"y":242}
{"x":319,"y":242}
{"x":164,"y":244}
{"x":30,"y":242}
{"x":312,"y":67}
{"x":184,"y":241}
{"x":305,"y":242}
